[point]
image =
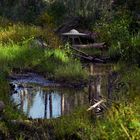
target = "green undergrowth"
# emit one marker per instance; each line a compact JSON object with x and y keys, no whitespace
{"x":20,"y":49}
{"x":50,"y":61}
{"x":73,"y":71}
{"x":121,"y":121}
{"x":10,"y":111}
{"x":122,"y":41}
{"x":17,"y":33}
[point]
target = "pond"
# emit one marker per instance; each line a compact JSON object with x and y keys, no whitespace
{"x":39,"y":98}
{"x":38,"y":102}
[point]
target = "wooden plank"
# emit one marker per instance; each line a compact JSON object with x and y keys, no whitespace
{"x":95,"y":45}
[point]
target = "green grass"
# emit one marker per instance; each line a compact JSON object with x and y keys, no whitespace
{"x":17,"y":33}
{"x":121,"y":121}
{"x":72,"y":71}
{"x":17,"y":52}
{"x":53,"y":61}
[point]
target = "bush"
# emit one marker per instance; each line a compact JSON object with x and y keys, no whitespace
{"x":114,"y":31}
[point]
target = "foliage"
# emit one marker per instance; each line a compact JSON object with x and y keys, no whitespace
{"x":114,"y":31}
{"x":131,"y":5}
{"x":72,"y":72}
{"x":45,"y":20}
{"x":29,"y":9}
{"x":123,"y":44}
{"x":57,"y":10}
{"x":17,"y":33}
{"x":121,"y":121}
{"x":127,"y":51}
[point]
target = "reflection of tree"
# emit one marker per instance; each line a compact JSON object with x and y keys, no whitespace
{"x":30,"y":99}
{"x":50,"y":104}
{"x":67,"y":100}
{"x":28,"y":96}
{"x":46,"y":102}
{"x":47,"y":97}
{"x":62,"y":103}
{"x":95,"y":89}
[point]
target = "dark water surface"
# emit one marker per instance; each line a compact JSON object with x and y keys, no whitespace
{"x":38,"y":100}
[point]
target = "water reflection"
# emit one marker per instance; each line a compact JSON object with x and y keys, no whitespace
{"x":38,"y":102}
{"x":99,"y":86}
{"x":52,"y":103}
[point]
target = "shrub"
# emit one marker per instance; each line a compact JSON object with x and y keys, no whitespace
{"x":114,"y":31}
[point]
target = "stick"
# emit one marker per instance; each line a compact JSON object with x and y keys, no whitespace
{"x":95,"y":105}
{"x":84,"y":57}
{"x":79,"y":51}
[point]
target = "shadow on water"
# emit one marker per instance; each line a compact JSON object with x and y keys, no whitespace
{"x":49,"y":102}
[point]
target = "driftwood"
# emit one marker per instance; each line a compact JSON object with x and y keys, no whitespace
{"x":95,"y":105}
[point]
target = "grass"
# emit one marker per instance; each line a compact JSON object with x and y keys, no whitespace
{"x":48,"y":60}
{"x":71,"y":72}
{"x":121,"y":121}
{"x":17,"y":51}
{"x":17,"y":33}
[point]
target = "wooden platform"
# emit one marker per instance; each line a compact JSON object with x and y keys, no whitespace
{"x":95,"y":45}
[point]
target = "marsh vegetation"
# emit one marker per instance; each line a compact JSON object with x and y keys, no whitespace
{"x":30,"y":45}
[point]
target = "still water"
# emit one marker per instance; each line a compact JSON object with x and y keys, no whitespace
{"x":48,"y":103}
{"x":39,"y":101}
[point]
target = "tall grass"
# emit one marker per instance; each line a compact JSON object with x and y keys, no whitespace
{"x":53,"y":61}
{"x":72,"y":71}
{"x":17,"y":33}
{"x":121,"y":121}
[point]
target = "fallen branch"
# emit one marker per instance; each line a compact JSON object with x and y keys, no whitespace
{"x":95,"y":105}
{"x":84,"y":57}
